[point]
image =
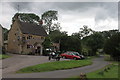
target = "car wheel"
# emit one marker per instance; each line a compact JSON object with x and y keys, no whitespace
{"x":75,"y":58}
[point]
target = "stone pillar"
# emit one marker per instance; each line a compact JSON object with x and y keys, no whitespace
{"x":41,"y":50}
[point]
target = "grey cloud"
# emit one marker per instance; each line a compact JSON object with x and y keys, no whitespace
{"x":110,"y":7}
{"x":22,"y":5}
{"x":100,"y":10}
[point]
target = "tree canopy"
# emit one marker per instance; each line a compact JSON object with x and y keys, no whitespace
{"x":26,"y":17}
{"x":112,"y":46}
{"x":48,"y":17}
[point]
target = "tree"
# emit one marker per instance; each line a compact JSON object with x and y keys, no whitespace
{"x":112,"y":46}
{"x":47,"y":43}
{"x":85,"y":31}
{"x":48,"y":17}
{"x":70,"y":43}
{"x":56,"y":26}
{"x":108,"y":34}
{"x":94,"y":42}
{"x":67,"y":43}
{"x":26,"y":17}
{"x":5,"y":33}
{"x":56,"y":35}
{"x":76,"y":35}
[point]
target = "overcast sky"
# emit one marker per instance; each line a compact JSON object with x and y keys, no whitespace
{"x":72,"y":15}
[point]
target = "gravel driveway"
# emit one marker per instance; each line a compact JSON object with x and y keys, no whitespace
{"x":20,"y":61}
{"x":16,"y":62}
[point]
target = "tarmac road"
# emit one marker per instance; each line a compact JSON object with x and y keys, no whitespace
{"x":97,"y":64}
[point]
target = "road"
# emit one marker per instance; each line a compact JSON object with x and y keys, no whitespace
{"x":9,"y":69}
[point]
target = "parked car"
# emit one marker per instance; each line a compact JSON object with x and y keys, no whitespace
{"x":78,"y":54}
{"x":72,"y":55}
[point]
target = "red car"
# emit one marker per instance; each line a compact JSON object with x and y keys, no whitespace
{"x":71,"y":55}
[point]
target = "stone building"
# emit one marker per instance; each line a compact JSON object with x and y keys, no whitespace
{"x":26,"y":38}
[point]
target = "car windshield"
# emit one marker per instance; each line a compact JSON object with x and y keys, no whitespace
{"x":75,"y":53}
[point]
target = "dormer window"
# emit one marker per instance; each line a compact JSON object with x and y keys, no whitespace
{"x":18,"y":38}
{"x":29,"y":37}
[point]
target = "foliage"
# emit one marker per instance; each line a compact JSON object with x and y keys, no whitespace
{"x":94,"y":42}
{"x":26,"y":17}
{"x":51,"y":66}
{"x":5,"y":33}
{"x":76,"y":35}
{"x":3,"y":56}
{"x":56,"y":35}
{"x":67,"y":43}
{"x":71,"y":43}
{"x":48,"y":17}
{"x":85,"y":31}
{"x":107,"y":34}
{"x":112,"y":46}
{"x":47,"y":43}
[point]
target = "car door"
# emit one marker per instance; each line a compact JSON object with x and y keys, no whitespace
{"x":71,"y":56}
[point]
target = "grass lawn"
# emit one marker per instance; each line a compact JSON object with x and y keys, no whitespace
{"x":112,"y":72}
{"x":57,"y":65}
{"x":3,"y":56}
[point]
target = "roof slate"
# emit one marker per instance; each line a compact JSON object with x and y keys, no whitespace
{"x":32,"y":28}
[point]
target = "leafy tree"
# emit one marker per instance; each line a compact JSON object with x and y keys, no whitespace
{"x":85,"y":31}
{"x":26,"y":17}
{"x":48,"y":17}
{"x":94,"y":42}
{"x":56,"y":35}
{"x":112,"y":46}
{"x":76,"y":35}
{"x":108,"y":34}
{"x":56,"y":26}
{"x":67,"y":43}
{"x":47,"y":43}
{"x":70,"y":43}
{"x":5,"y":33}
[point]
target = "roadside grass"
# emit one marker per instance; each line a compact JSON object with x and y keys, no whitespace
{"x":57,"y":65}
{"x":108,"y":58}
{"x":112,"y":72}
{"x":3,"y":56}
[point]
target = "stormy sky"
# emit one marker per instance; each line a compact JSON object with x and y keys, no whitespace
{"x":72,"y":15}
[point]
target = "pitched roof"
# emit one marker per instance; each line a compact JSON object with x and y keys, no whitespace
{"x":32,"y":28}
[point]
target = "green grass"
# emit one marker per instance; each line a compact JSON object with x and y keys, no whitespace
{"x":108,"y":58}
{"x":3,"y":56}
{"x":57,"y":65}
{"x":110,"y":73}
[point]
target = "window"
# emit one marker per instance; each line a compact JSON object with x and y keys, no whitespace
{"x":23,"y":38}
{"x":29,"y":37}
{"x":18,"y":38}
{"x":28,"y":46}
{"x":42,"y":38}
